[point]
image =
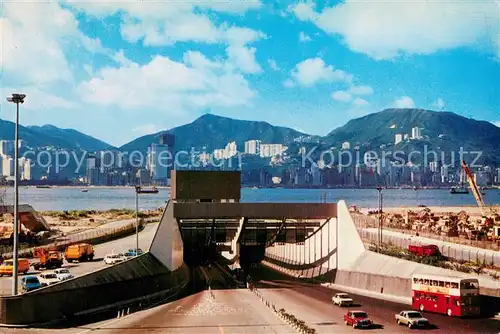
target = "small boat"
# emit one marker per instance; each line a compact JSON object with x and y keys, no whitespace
{"x":85,"y":190}
{"x":153,"y":190}
{"x":459,"y":190}
{"x":43,"y":187}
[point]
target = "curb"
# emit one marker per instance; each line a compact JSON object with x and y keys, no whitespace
{"x":299,"y":325}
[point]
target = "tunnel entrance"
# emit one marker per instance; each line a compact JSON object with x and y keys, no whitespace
{"x":251,"y":254}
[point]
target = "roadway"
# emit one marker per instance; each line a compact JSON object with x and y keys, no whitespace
{"x":312,"y":304}
{"x":79,"y":269}
{"x":455,"y":251}
{"x":239,"y":311}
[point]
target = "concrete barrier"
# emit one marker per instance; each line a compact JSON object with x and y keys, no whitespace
{"x":133,"y":281}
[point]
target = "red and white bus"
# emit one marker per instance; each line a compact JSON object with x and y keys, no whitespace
{"x":453,"y":296}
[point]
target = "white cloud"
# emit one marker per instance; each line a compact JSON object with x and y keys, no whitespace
{"x":314,"y":70}
{"x":384,"y":30}
{"x":158,"y":24}
{"x":404,"y":102}
{"x":36,"y":100}
{"x":33,"y":47}
{"x":304,"y":38}
{"x":243,"y":58}
{"x":439,"y":104}
{"x":273,"y":65}
{"x":359,"y":102}
{"x":361,"y":90}
{"x":341,"y":96}
{"x":169,"y":86}
{"x":304,"y":11}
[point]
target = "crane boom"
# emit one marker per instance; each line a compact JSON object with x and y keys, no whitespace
{"x":473,"y":186}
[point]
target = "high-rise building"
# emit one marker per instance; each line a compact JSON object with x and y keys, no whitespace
{"x":398,"y":138}
{"x":25,"y":169}
{"x":7,"y":166}
{"x":269,"y":150}
{"x":252,"y":146}
{"x":498,"y":175}
{"x":230,"y":150}
{"x":219,"y":153}
{"x":159,"y":162}
{"x":7,"y":147}
{"x":415,"y":133}
{"x":346,"y":145}
{"x":433,"y":166}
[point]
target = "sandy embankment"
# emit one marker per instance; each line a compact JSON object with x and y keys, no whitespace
{"x":77,"y":221}
{"x":470,"y":210}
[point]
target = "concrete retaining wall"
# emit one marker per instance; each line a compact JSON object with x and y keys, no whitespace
{"x":390,"y":285}
{"x":102,"y":290}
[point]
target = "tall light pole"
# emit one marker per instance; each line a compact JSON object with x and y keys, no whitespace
{"x":380,"y":218}
{"x":17,"y":99}
{"x":137,"y":191}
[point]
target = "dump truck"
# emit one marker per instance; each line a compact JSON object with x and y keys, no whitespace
{"x":47,"y":258}
{"x":79,"y":252}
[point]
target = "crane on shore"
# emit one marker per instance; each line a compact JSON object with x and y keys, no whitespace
{"x":486,"y":211}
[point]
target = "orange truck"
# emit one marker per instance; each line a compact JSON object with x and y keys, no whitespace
{"x":47,"y":258}
{"x":7,"y":267}
{"x":79,"y":252}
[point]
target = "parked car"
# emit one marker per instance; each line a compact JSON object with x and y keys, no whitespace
{"x":357,"y":319}
{"x":114,"y":258}
{"x":30,"y":283}
{"x":48,"y":278}
{"x":133,"y":252}
{"x":412,"y":319}
{"x":342,"y":299}
{"x":63,"y":274}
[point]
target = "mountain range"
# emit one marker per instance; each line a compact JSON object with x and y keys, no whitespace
{"x":440,"y":130}
{"x":49,"y":135}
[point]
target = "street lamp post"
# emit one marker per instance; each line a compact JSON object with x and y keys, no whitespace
{"x":17,"y":99}
{"x":137,"y":191}
{"x":380,"y":218}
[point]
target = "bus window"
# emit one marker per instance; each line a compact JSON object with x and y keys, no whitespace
{"x":415,"y":280}
{"x":454,"y":285}
{"x":434,"y":283}
{"x":441,"y":284}
{"x":447,"y":284}
{"x":426,"y":282}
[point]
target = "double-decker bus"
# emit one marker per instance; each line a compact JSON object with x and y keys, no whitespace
{"x":453,"y":296}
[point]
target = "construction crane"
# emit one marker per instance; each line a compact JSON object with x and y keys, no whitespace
{"x":486,"y":211}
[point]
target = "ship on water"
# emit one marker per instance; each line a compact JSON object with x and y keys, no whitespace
{"x":462,"y":189}
{"x":459,"y":190}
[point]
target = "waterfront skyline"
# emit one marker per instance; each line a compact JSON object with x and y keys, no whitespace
{"x":235,"y":60}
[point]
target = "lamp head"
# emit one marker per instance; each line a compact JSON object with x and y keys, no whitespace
{"x":17,"y":98}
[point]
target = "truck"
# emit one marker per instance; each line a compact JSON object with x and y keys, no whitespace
{"x":79,"y":252}
{"x":47,"y":258}
{"x":424,"y":250}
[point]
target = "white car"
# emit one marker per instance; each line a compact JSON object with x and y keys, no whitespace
{"x":114,"y":258}
{"x":48,"y":278}
{"x":63,"y":274}
{"x":342,"y":299}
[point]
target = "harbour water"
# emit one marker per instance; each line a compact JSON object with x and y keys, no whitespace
{"x":108,"y":198}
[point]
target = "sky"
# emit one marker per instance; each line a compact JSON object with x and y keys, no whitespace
{"x":117,"y":70}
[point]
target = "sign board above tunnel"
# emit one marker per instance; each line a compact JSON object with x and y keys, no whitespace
{"x":205,"y":185}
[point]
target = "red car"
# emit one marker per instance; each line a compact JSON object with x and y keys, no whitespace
{"x":357,"y":319}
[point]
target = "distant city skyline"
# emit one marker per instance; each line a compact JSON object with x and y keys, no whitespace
{"x":117,"y":71}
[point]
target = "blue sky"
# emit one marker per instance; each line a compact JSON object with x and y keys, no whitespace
{"x":119,"y":70}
